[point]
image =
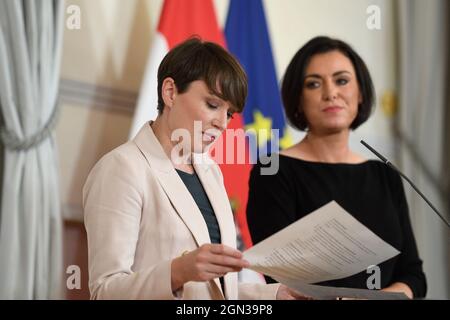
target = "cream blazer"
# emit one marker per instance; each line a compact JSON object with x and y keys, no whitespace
{"x":139,"y":216}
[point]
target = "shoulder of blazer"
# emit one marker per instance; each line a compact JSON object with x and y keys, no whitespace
{"x":122,"y":163}
{"x":151,"y":149}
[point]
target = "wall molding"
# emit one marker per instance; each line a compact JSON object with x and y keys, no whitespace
{"x":100,"y":97}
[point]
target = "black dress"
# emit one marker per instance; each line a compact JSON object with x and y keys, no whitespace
{"x":370,"y":191}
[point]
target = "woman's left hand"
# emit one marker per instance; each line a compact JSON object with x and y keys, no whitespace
{"x":286,"y":293}
{"x":400,"y":287}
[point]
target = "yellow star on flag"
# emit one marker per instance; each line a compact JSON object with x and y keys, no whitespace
{"x":287,"y":140}
{"x":262,"y":127}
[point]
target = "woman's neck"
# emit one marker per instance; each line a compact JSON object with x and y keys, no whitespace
{"x":332,"y":148}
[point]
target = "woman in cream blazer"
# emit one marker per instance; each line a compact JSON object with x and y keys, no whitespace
{"x":147,"y":238}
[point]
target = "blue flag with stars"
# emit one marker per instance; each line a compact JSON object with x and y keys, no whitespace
{"x":247,"y":38}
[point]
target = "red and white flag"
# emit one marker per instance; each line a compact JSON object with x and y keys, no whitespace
{"x":179,"y":20}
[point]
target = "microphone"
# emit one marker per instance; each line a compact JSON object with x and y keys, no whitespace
{"x":388,"y":163}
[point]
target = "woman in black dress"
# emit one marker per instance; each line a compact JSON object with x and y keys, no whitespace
{"x":327,"y":91}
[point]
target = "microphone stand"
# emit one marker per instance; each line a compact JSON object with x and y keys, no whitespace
{"x":388,"y":163}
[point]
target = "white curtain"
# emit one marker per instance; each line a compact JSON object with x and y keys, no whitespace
{"x":423,"y":62}
{"x":30,"y":221}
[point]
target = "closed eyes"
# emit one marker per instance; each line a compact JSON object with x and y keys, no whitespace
{"x":214,"y":107}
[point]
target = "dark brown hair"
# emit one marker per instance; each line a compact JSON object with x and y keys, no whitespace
{"x":292,"y":85}
{"x":195,"y":59}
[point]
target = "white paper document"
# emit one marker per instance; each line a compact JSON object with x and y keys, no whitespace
{"x":327,"y":244}
{"x":332,"y":293}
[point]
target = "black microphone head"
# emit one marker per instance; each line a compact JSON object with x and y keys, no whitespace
{"x":375,"y":152}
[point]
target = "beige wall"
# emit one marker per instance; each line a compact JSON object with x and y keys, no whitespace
{"x":107,"y":58}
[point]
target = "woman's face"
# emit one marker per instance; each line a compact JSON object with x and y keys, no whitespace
{"x":200,"y":115}
{"x":330,"y":93}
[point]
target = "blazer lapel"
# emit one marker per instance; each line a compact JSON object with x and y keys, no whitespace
{"x":188,"y":211}
{"x":178,"y":194}
{"x":222,"y":209}
{"x":172,"y":184}
{"x":218,"y":198}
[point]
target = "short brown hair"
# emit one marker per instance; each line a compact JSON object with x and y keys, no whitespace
{"x":292,"y":85}
{"x":195,"y":59}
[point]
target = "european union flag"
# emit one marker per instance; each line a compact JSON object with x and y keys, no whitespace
{"x":247,"y":38}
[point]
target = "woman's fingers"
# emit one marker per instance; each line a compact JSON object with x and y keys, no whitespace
{"x":286,"y":293}
{"x":222,"y":249}
{"x":212,"y":261}
{"x":211,"y":268}
{"x":226,"y":256}
{"x":227,"y":261}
